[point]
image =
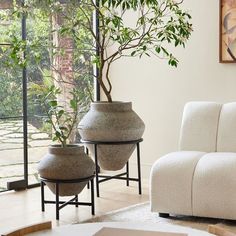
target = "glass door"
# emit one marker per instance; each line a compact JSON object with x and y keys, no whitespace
{"x":38,"y":27}
{"x":24,"y":136}
{"x":12,"y":143}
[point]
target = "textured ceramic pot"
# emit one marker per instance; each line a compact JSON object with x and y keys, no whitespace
{"x":66,"y":163}
{"x":114,"y":121}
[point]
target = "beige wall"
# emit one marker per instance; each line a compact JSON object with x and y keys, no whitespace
{"x":159,"y":92}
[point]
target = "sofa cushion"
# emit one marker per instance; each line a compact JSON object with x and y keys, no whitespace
{"x":214,"y":186}
{"x":171,"y":182}
{"x":226,"y":140}
{"x":199,"y":126}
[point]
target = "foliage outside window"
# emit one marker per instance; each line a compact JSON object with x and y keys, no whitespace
{"x":41,"y":55}
{"x":10,"y":75}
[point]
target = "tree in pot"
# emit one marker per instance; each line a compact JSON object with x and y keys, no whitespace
{"x":64,"y":160}
{"x":156,"y":23}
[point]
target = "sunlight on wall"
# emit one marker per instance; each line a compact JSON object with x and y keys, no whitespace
{"x":159,"y":92}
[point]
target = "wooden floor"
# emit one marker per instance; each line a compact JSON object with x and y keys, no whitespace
{"x":23,"y":207}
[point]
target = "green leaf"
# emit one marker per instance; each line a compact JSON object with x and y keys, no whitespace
{"x":158,"y":49}
{"x":165,"y":51}
{"x":103,"y":2}
{"x":73,"y":104}
{"x":60,"y":113}
{"x":52,"y":103}
{"x":176,"y":43}
{"x":58,"y":134}
{"x":64,"y":128}
{"x":64,"y":30}
{"x":55,"y":138}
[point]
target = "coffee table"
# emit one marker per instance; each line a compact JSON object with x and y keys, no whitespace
{"x":90,"y":229}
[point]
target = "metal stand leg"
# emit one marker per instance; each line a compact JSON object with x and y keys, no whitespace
{"x":127,"y":173}
{"x":87,"y":152}
{"x":92,"y":197}
{"x":139,"y":169}
{"x":42,"y":196}
{"x":57,"y":201}
{"x":164,"y":215}
{"x":97,"y":169}
{"x":76,"y":200}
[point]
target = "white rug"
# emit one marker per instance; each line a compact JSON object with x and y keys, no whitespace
{"x":142,"y":213}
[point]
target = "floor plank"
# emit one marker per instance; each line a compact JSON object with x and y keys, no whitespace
{"x":23,"y":208}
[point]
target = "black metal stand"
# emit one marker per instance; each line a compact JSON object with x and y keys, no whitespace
{"x":73,"y":201}
{"x":103,"y":178}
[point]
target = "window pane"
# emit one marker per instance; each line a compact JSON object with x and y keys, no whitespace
{"x":56,"y":59}
{"x":11,"y":121}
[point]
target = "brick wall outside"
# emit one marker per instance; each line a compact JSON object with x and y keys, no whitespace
{"x":6,"y":4}
{"x":63,"y":62}
{"x":63,"y":67}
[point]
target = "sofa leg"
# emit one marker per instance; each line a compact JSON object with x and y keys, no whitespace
{"x":164,"y":215}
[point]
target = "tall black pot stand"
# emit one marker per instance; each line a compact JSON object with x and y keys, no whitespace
{"x":102,"y":178}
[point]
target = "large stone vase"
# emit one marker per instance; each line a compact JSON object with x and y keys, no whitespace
{"x":114,"y":121}
{"x":66,"y":163}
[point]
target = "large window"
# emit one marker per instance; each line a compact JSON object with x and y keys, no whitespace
{"x":53,"y":54}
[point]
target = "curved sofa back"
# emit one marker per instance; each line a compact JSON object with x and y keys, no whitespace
{"x":226,"y":139}
{"x":199,"y":129}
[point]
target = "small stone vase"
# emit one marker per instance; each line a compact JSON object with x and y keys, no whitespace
{"x":114,"y":121}
{"x":66,"y":163}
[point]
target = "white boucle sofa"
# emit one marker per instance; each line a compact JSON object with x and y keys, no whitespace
{"x":200,"y":179}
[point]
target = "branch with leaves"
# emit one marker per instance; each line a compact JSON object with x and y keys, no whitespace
{"x":156,"y":25}
{"x":61,"y":120}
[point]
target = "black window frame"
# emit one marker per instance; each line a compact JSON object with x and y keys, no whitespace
{"x":23,"y":184}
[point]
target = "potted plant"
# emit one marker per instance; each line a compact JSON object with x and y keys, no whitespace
{"x":155,"y":24}
{"x":44,"y":62}
{"x":63,"y":160}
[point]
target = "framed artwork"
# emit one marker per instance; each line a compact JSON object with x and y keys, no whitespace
{"x":228,"y":31}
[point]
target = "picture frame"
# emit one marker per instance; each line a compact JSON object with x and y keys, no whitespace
{"x":227,"y":44}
